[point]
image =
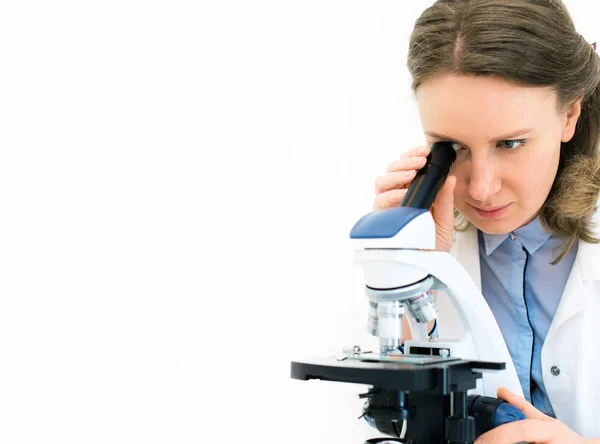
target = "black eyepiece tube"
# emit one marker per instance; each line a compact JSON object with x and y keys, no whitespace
{"x":431,"y":177}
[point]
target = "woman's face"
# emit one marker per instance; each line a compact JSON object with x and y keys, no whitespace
{"x":508,"y":139}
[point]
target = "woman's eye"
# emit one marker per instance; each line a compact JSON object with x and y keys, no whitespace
{"x":456,"y":146}
{"x":511,"y":144}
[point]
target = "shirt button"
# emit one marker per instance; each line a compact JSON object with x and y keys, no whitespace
{"x":512,"y":236}
{"x":555,"y":370}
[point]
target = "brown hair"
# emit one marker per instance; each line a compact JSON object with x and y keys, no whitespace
{"x":531,"y":43}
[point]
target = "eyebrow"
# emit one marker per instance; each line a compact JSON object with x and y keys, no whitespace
{"x":495,"y":139}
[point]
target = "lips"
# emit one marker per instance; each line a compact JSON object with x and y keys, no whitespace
{"x":489,"y":208}
{"x":496,"y":212}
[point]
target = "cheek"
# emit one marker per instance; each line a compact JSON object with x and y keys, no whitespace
{"x":534,"y":174}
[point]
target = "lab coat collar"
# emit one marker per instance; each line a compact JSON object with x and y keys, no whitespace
{"x":588,"y":255}
{"x":586,"y":268}
{"x":465,"y":249}
{"x":575,"y":297}
{"x":589,"y":261}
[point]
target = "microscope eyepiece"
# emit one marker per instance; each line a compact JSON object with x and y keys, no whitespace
{"x":431,"y":177}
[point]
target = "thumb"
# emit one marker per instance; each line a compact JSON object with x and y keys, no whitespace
{"x":519,"y":402}
{"x":443,"y":206}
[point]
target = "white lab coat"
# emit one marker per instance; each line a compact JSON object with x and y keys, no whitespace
{"x":572,"y":344}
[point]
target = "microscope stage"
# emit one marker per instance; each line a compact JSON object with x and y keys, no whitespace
{"x":423,"y":373}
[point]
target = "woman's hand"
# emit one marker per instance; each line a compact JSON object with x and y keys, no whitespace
{"x":391,"y":187}
{"x":537,"y":428}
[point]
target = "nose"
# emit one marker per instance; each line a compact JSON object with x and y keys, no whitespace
{"x":483,"y":180}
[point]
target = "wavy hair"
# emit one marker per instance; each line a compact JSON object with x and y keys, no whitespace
{"x":529,"y":43}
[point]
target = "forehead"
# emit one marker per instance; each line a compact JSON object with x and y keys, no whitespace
{"x":482,"y":106}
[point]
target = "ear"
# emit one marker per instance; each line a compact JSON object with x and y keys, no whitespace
{"x":570,"y":120}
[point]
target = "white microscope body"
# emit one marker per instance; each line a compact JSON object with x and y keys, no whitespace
{"x":395,"y":248}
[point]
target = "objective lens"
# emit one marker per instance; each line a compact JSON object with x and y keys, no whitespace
{"x":390,"y":326}
{"x":422,"y":307}
{"x":372,"y":321}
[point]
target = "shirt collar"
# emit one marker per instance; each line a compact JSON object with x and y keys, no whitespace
{"x":532,"y":236}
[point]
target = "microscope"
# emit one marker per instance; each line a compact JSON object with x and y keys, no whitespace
{"x":439,"y":386}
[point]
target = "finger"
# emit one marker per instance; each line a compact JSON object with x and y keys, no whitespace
{"x":526,"y":430}
{"x":521,"y":403}
{"x":418,"y":151}
{"x":395,"y":180}
{"x":444,"y":204}
{"x":389,"y":199}
{"x":407,"y":163}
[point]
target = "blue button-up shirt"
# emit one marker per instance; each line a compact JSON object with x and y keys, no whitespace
{"x":523,"y":290}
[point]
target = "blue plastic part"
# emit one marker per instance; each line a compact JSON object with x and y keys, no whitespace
{"x":370,"y":421}
{"x":506,"y":413}
{"x":384,"y":223}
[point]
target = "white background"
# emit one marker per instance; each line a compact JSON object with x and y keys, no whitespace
{"x":177,"y":184}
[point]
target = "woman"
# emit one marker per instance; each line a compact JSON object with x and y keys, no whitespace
{"x":517,"y":90}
